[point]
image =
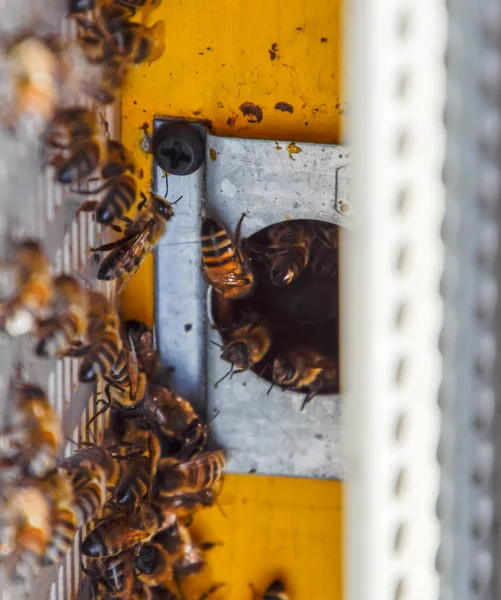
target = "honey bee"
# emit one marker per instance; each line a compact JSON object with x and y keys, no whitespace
{"x":154,"y":565}
{"x":225,"y":265}
{"x":34,"y":71}
{"x":25,"y":529}
{"x":105,"y":343}
{"x":68,"y":318}
{"x":115,"y":574}
{"x":202,"y":472}
{"x":83,"y":468}
{"x":141,"y":339}
{"x":75,"y":145}
{"x":31,"y":443}
{"x":116,"y":534}
{"x":303,"y":368}
{"x":177,"y":420}
{"x":288,"y":252}
{"x":184,"y":505}
{"x":275,"y":591}
{"x":119,"y":190}
{"x":18,"y":314}
{"x":58,"y":487}
{"x":141,"y":449}
{"x":246,"y":345}
{"x":129,"y":251}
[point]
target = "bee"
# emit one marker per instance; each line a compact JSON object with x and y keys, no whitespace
{"x":303,"y":368}
{"x":115,"y":574}
{"x":246,"y":345}
{"x":171,"y":554}
{"x":177,"y":420}
{"x":25,"y":530}
{"x":65,"y":519}
{"x":184,"y":505}
{"x":126,"y":384}
{"x":225,"y":265}
{"x":141,"y":449}
{"x":118,"y":533}
{"x":129,"y":251}
{"x":75,"y":145}
{"x":31,"y":443}
{"x":34,"y":293}
{"x":275,"y":591}
{"x":104,"y":341}
{"x":288,"y":252}
{"x":34,"y":71}
{"x":68,"y":318}
{"x":86,"y":467}
{"x":141,"y":339}
{"x":199,"y":473}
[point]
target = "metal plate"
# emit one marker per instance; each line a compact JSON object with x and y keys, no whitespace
{"x":269,"y":181}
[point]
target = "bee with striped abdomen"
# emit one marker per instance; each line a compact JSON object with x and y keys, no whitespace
{"x":112,"y":578}
{"x":65,"y":517}
{"x":68,"y":318}
{"x":288,"y":252}
{"x":33,"y":289}
{"x":128,"y":252}
{"x":225,"y":265}
{"x":303,"y":368}
{"x":30,"y":444}
{"x":103,"y":337}
{"x":140,"y":448}
{"x":82,"y":466}
{"x":197,"y":474}
{"x":75,"y":144}
{"x":118,"y":533}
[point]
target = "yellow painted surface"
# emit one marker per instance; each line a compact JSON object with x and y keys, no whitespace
{"x":219,"y":55}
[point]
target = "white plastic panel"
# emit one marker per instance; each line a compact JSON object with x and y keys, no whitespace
{"x":390,"y":298}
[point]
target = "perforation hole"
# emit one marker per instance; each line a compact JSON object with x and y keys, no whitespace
{"x":485,"y":407}
{"x":400,"y":483}
{"x":400,"y":589}
{"x":400,"y":535}
{"x":489,"y":187}
{"x":487,"y":299}
{"x":401,"y":371}
{"x":482,"y":518}
{"x":486,"y":354}
{"x":400,"y":428}
{"x":403,"y":201}
{"x":481,"y":572}
{"x":401,"y":315}
{"x":483,"y":462}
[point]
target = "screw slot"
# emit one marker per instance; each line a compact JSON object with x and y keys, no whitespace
{"x":178,"y":148}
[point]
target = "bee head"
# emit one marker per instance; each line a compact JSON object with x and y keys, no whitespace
{"x":284,"y":371}
{"x":162,"y":207}
{"x":238,"y":354}
{"x":146,"y":559}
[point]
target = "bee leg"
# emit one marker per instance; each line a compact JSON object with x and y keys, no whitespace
{"x":224,"y":376}
{"x":88,"y":206}
{"x":99,"y":413}
{"x":143,"y":202}
{"x":77,"y":350}
{"x":309,"y":397}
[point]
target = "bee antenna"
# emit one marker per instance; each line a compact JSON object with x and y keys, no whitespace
{"x":271,"y":387}
{"x":224,"y":376}
{"x":217,"y":344}
{"x":217,"y":413}
{"x":166,"y":185}
{"x":177,"y":200}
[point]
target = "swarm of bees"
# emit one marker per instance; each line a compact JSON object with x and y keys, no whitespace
{"x":275,"y":294}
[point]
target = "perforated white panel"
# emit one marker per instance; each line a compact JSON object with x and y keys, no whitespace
{"x":391,"y":271}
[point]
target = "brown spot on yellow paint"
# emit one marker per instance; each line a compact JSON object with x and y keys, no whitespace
{"x":230,"y":121}
{"x":219,"y":104}
{"x":197,"y":112}
{"x":140,"y":174}
{"x":210,"y":49}
{"x":249,"y":109}
{"x":145,"y":126}
{"x":134,"y":102}
{"x":292,"y":149}
{"x":212,"y":154}
{"x":273,"y":51}
{"x":323,"y":40}
{"x":301,"y":28}
{"x":284,"y":107}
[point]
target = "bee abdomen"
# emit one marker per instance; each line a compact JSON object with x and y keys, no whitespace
{"x":63,"y":532}
{"x":80,"y":164}
{"x":89,"y":502}
{"x":135,"y":483}
{"x":207,"y":472}
{"x":57,"y":336}
{"x":94,"y":545}
{"x":100,"y":358}
{"x":217,"y":247}
{"x":120,"y":196}
{"x":108,"y":269}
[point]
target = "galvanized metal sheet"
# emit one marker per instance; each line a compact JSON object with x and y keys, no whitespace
{"x":269,"y":181}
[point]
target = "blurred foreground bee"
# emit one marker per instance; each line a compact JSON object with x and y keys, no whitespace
{"x":288,"y":252}
{"x":82,"y":467}
{"x":33,"y":70}
{"x":118,"y":533}
{"x":68,"y":318}
{"x":25,"y":529}
{"x":65,"y":518}
{"x":129,"y":251}
{"x":34,"y":290}
{"x":246,"y":345}
{"x":115,"y":575}
{"x":303,"y":368}
{"x":75,"y":144}
{"x":197,"y":474}
{"x":225,"y":265}
{"x":29,"y":446}
{"x":104,"y":341}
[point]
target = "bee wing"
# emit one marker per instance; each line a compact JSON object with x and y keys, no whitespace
{"x":132,"y":368}
{"x":140,"y":248}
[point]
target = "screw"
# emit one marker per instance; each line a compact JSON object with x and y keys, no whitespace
{"x":178,"y":148}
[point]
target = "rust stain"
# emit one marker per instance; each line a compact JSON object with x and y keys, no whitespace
{"x":219,"y":104}
{"x":231,"y":120}
{"x":292,"y":149}
{"x":197,"y":112}
{"x":140,"y":174}
{"x":284,"y":107}
{"x":212,"y":154}
{"x":273,"y":51}
{"x":323,"y":40}
{"x":145,"y":126}
{"x":249,"y":109}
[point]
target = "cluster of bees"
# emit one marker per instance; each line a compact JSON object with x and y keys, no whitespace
{"x":271,"y":294}
{"x":41,"y":69}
